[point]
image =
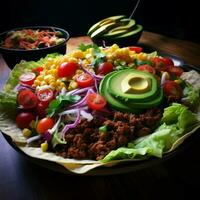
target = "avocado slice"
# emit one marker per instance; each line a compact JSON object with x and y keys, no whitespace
{"x":136,"y":30}
{"x":122,"y":78}
{"x":121,"y":29}
{"x":104,"y":22}
{"x":112,"y":101}
{"x":102,"y":29}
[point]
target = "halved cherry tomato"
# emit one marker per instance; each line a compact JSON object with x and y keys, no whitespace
{"x":85,"y":80}
{"x":172,"y":89}
{"x":146,"y":68}
{"x":104,"y":68}
{"x":44,"y":124}
{"x":24,"y":119}
{"x":37,"y":70}
{"x":41,"y":109}
{"x":159,"y":64}
{"x":177,"y":71}
{"x":136,"y":49}
{"x":168,"y":61}
{"x":67,"y":69}
{"x":95,"y":101}
{"x":45,"y":95}
{"x":27,"y":78}
{"x":27,"y":99}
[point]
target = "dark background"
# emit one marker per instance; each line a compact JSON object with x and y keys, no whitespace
{"x":178,"y":19}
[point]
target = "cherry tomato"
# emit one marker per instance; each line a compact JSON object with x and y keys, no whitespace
{"x":45,"y":95}
{"x":136,"y":49}
{"x":41,"y":109}
{"x":173,"y":89}
{"x":27,"y":78}
{"x":67,"y":69}
{"x":95,"y":101}
{"x":146,"y":68}
{"x":44,"y":124}
{"x":168,"y":61}
{"x":84,"y":80}
{"x":24,"y":119}
{"x":159,"y":64}
{"x":177,"y":71}
{"x":104,"y":68}
{"x":27,"y":99}
{"x":37,"y":70}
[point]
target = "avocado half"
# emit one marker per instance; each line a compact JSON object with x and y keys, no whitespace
{"x":112,"y":90}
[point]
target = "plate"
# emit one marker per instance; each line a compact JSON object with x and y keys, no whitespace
{"x":120,"y":168}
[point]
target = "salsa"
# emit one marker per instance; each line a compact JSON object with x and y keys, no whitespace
{"x":27,"y":39}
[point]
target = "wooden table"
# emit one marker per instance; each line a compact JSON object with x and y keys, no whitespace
{"x":176,"y":178}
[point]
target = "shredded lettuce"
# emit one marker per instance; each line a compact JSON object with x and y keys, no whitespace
{"x":175,"y":120}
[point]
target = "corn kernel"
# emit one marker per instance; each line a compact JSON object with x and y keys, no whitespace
{"x":72,"y":85}
{"x":44,"y":146}
{"x":26,"y":132}
{"x":178,"y":81}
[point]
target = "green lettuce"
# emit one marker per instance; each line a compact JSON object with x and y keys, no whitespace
{"x":23,"y":67}
{"x":175,"y":121}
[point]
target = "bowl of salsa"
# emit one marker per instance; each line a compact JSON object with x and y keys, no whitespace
{"x":32,"y":43}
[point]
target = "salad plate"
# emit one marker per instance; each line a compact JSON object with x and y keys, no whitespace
{"x":129,"y":114}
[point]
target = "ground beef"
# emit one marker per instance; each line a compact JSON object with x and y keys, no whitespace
{"x":87,"y":142}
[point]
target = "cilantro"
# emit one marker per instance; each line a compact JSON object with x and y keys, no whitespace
{"x":84,"y":47}
{"x":62,"y":100}
{"x":99,"y":57}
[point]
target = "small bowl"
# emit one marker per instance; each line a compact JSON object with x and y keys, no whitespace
{"x":14,"y":56}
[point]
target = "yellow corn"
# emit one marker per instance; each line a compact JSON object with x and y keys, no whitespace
{"x":72,"y":85}
{"x":26,"y":132}
{"x":44,"y":146}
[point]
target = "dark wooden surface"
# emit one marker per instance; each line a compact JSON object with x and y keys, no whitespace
{"x":176,"y":178}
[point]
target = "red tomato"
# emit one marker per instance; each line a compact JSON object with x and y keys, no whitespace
{"x":45,"y":95}
{"x":41,"y":109}
{"x":104,"y":68}
{"x":27,"y":78}
{"x":67,"y":69}
{"x":174,"y":70}
{"x":136,"y":49}
{"x":24,"y":119}
{"x":159,"y":64}
{"x":146,"y":68}
{"x":173,"y":89}
{"x":168,"y":61}
{"x":44,"y":124}
{"x":37,"y":70}
{"x":84,"y":80}
{"x":27,"y":99}
{"x":95,"y":101}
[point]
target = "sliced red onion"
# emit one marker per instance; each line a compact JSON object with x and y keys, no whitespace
{"x":82,"y":102}
{"x":53,"y":129}
{"x":164,"y":78}
{"x":34,"y":138}
{"x":47,"y":136}
{"x":86,"y":115}
{"x":73,"y":125}
{"x":80,"y":91}
{"x":20,"y":87}
{"x":97,"y":77}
